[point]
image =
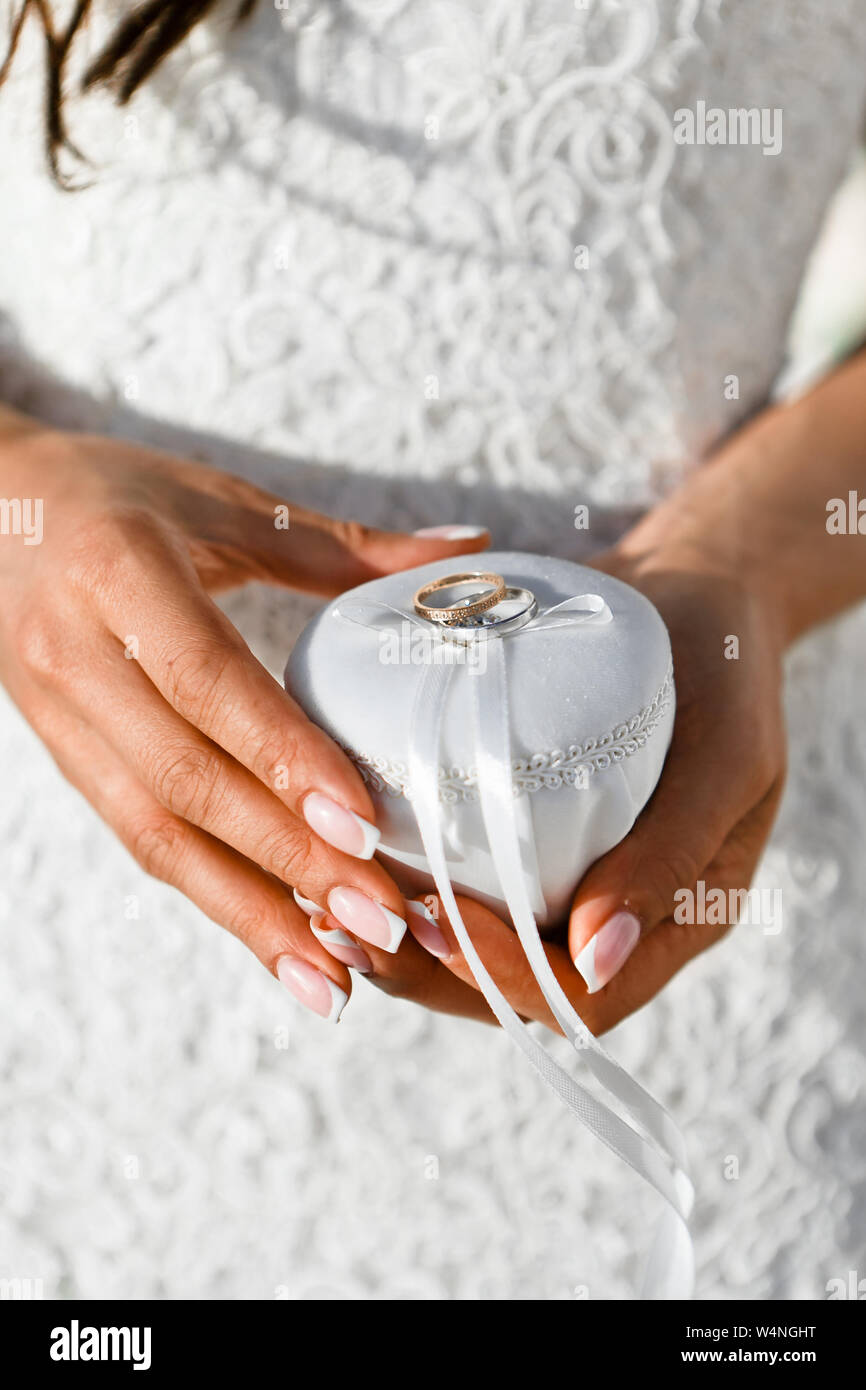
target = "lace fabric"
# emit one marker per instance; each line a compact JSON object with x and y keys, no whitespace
{"x":281,"y":267}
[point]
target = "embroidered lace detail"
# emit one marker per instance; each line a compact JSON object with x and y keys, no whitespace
{"x":277,"y":268}
{"x":570,"y":767}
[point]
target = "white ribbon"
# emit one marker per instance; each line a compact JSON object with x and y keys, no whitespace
{"x":652,"y":1145}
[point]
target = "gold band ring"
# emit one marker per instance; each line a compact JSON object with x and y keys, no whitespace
{"x":465,"y":608}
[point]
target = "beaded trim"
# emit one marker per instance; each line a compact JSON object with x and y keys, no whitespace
{"x":571,"y":767}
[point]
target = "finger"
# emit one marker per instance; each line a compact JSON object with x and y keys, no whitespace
{"x":412,"y":974}
{"x":198,"y":661}
{"x":700,"y":922}
{"x":327,"y":555}
{"x":241,"y":531}
{"x":656,"y":959}
{"x":502,"y":954}
{"x":179,"y":853}
{"x":627,"y":892}
{"x":196,"y":781}
{"x":226,"y":887}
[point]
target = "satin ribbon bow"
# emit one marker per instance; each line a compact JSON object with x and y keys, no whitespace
{"x":648,"y":1141}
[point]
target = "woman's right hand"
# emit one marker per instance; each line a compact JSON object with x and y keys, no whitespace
{"x":155,"y":709}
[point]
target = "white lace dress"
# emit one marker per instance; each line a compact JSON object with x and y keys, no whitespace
{"x":339,"y":250}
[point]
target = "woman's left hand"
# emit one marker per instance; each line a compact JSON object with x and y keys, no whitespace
{"x":708,"y":819}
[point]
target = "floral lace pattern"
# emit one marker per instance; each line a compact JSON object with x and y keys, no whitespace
{"x":338,"y":251}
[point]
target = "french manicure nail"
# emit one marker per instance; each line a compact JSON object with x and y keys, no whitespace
{"x":606,"y":952}
{"x":311,"y":988}
{"x":426,"y":930}
{"x":305,"y":904}
{"x":450,"y":533}
{"x":341,"y":828}
{"x":366,"y":918}
{"x":341,"y":946}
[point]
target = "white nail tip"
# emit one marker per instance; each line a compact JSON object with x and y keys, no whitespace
{"x":305,"y":904}
{"x":398,"y":929}
{"x":339,"y":1000}
{"x":585,"y":962}
{"x":372,"y":836}
{"x":450,"y":533}
{"x":332,"y":936}
{"x":422,"y":910}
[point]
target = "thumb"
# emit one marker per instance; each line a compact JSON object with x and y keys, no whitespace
{"x":631,"y":889}
{"x":281,"y":543}
{"x":336,"y":555}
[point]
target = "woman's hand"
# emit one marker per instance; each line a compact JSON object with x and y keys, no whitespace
{"x":707,"y":821}
{"x":155,"y":709}
{"x":744,"y":558}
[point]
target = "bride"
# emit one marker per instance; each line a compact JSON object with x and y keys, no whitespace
{"x":327,"y":256}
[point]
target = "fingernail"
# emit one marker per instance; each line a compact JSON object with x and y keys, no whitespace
{"x":450,"y":533}
{"x":311,"y":988}
{"x":608,"y":950}
{"x":305,"y":904}
{"x":426,"y":931}
{"x":366,"y":918}
{"x":340,"y":946}
{"x":341,"y":828}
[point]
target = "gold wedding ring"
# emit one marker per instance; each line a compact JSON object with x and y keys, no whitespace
{"x":462,"y":610}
